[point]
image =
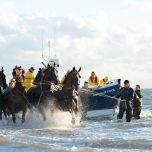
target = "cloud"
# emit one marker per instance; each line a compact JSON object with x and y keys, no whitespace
{"x":8,"y":15}
{"x":91,"y":42}
{"x":136,"y":5}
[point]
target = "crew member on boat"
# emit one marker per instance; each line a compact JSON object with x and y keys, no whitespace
{"x":103,"y":81}
{"x":85,"y":86}
{"x":137,"y":103}
{"x":29,"y":78}
{"x":126,"y":96}
{"x":93,"y":80}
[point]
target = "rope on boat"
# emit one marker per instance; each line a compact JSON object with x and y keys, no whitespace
{"x":96,"y":93}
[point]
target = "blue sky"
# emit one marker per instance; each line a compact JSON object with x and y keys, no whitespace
{"x":112,"y":37}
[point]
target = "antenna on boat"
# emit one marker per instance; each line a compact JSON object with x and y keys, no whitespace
{"x":42,"y":46}
{"x":43,"y":57}
{"x":49,"y":46}
{"x":54,"y":44}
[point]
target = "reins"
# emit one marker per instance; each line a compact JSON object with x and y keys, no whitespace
{"x":22,"y":94}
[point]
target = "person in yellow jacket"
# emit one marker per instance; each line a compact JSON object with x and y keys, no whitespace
{"x":29,"y":78}
{"x":93,"y":80}
{"x":103,"y":81}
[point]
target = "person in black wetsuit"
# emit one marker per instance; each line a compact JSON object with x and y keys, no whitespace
{"x":126,"y":96}
{"x":137,"y":103}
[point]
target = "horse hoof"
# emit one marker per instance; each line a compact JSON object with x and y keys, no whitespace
{"x":23,"y":121}
{"x":0,"y":118}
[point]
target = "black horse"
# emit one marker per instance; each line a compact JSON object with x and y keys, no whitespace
{"x":3,"y":86}
{"x":67,"y":98}
{"x":15,"y":99}
{"x":38,"y":94}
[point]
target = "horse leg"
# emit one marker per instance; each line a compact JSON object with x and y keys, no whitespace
{"x":52,"y":112}
{"x":13,"y":117}
{"x":73,"y":112}
{"x":1,"y":107}
{"x":52,"y":107}
{"x":75,"y":105}
{"x":12,"y":111}
{"x":41,"y":110}
{"x":0,"y":112}
{"x":4,"y":111}
{"x":7,"y":113}
{"x":23,"y":115}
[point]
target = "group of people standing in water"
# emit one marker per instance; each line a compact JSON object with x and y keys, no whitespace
{"x":130,"y":99}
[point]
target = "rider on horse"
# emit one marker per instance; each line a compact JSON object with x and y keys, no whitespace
{"x":29,"y":78}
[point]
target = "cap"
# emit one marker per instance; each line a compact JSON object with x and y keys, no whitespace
{"x":126,"y":82}
{"x":32,"y":68}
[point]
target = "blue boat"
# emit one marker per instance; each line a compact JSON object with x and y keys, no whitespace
{"x":99,"y":101}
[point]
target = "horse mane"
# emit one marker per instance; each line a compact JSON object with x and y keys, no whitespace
{"x":67,"y":75}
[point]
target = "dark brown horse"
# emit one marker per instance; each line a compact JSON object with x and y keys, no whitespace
{"x":3,"y":86}
{"x":15,"y":100}
{"x":39,"y":94}
{"x":67,"y":98}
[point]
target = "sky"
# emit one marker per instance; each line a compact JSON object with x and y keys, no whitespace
{"x":112,"y":37}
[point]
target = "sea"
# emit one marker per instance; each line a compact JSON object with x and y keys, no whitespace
{"x":57,"y":134}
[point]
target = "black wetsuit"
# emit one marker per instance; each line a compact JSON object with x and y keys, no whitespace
{"x":125,"y":106}
{"x":137,"y":104}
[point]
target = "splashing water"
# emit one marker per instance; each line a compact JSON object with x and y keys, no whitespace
{"x":57,"y":134}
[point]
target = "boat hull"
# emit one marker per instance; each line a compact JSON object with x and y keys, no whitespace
{"x":98,"y":100}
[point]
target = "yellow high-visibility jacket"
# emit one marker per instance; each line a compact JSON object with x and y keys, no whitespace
{"x":61,"y":82}
{"x":28,"y":81}
{"x":103,"y":81}
{"x":93,"y":82}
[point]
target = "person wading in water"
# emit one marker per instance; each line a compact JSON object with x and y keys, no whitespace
{"x":126,"y":96}
{"x":137,"y":103}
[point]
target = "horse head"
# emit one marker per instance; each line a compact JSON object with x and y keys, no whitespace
{"x":72,"y":79}
{"x":1,"y":78}
{"x":50,"y":75}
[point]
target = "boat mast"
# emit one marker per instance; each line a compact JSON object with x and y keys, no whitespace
{"x":42,"y":47}
{"x":54,"y":45}
{"x":49,"y":45}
